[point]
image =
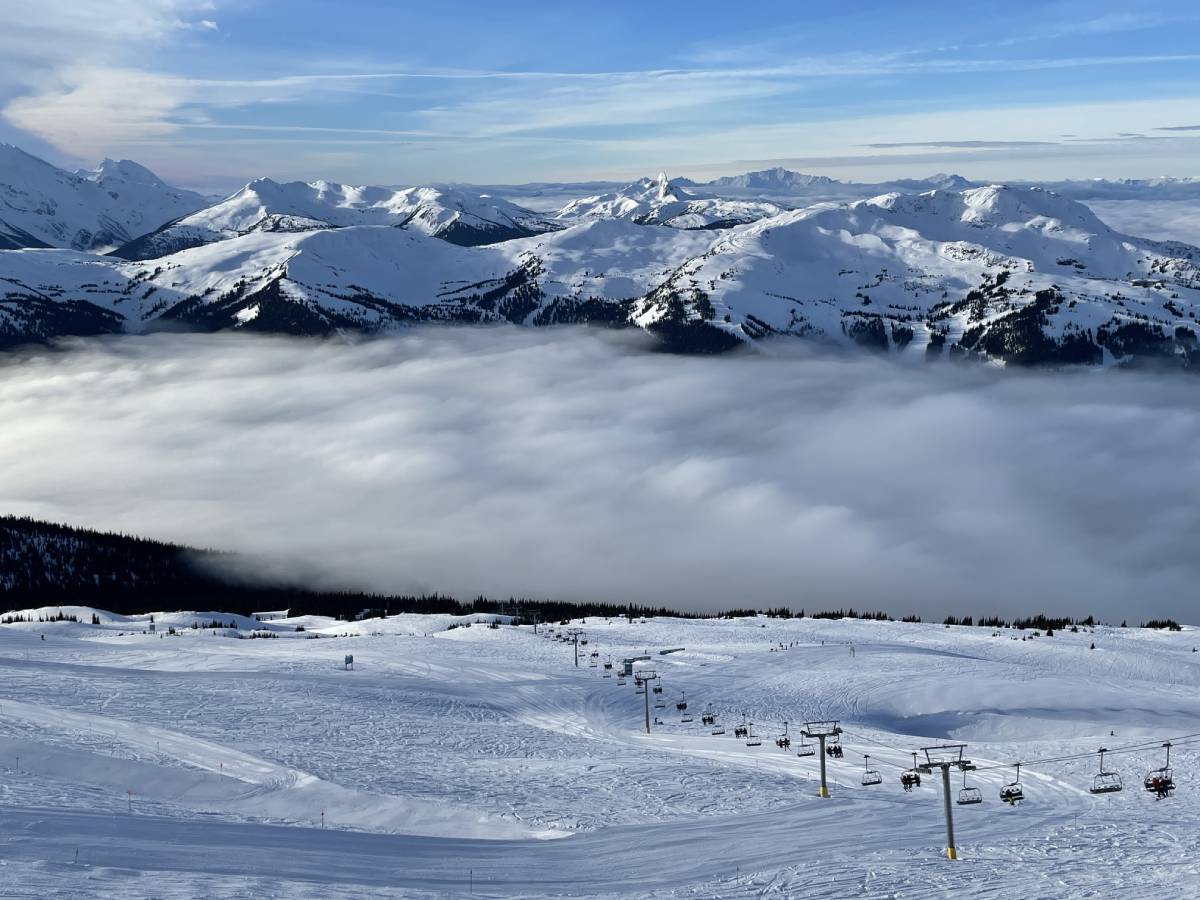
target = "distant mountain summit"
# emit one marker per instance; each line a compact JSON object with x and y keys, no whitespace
{"x":773,"y":180}
{"x":44,"y":206}
{"x":660,"y":201}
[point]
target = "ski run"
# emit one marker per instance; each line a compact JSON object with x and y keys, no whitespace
{"x":458,"y":759}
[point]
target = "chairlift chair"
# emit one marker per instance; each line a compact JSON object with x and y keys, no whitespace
{"x":608,"y":665}
{"x":1161,"y":782}
{"x":911,"y":778}
{"x":834,"y":748}
{"x":708,"y":719}
{"x":968,"y":796}
{"x":686,"y":719}
{"x":681,"y":704}
{"x":658,"y":689}
{"x":1105,"y":782}
{"x":739,"y":731}
{"x":718,"y":730}
{"x":870,"y":776}
{"x":1012,"y":793}
{"x":783,"y":742}
{"x":805,"y":748}
{"x":751,"y":739}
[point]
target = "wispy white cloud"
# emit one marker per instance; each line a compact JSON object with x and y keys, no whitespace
{"x":72,"y":75}
{"x":87,"y":109}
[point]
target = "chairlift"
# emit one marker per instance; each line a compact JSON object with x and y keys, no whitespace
{"x":620,"y":681}
{"x":1105,"y":782}
{"x":834,"y":748}
{"x":717,"y":731}
{"x":686,"y":719}
{"x":968,"y":796}
{"x":739,"y":731}
{"x":1160,"y":782}
{"x":660,"y":706}
{"x":751,"y":739}
{"x":708,"y":719}
{"x":681,"y":704}
{"x":1012,"y":793}
{"x":805,"y":748}
{"x":608,"y":665}
{"x":911,"y":778}
{"x":583,"y":642}
{"x":870,"y":776}
{"x":658,"y":689}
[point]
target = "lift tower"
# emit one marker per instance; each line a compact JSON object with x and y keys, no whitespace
{"x":821,"y":731}
{"x":946,"y":757}
{"x":575,"y":633}
{"x":647,"y":676}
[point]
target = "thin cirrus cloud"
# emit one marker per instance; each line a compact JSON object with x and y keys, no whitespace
{"x":982,"y":145}
{"x":570,"y":465}
{"x":169,"y":80}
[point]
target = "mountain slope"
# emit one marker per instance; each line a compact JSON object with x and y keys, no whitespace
{"x":354,"y":278}
{"x":44,"y":206}
{"x":1013,"y":274}
{"x":657,"y":201}
{"x":458,"y":216}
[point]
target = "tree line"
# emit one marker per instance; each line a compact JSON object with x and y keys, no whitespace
{"x":45,"y":564}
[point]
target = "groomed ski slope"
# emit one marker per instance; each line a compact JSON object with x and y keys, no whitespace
{"x":478,"y":761}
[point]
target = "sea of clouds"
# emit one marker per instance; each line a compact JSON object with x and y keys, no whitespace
{"x":579,"y":465}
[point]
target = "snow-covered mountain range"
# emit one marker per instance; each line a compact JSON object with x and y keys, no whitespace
{"x":1015,"y":274}
{"x":44,"y":206}
{"x":458,"y":216}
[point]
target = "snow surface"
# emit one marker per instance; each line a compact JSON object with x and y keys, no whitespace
{"x":460,"y":761}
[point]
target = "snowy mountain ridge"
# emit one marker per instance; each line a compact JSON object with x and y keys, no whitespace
{"x":455,"y":215}
{"x":659,"y":201}
{"x":44,"y":206}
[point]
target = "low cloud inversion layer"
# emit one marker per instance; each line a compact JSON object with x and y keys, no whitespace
{"x":578,"y":466}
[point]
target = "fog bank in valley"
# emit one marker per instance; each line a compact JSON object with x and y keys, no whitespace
{"x":579,"y":466}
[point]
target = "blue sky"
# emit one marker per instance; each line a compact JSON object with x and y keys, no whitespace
{"x":211,"y":93}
